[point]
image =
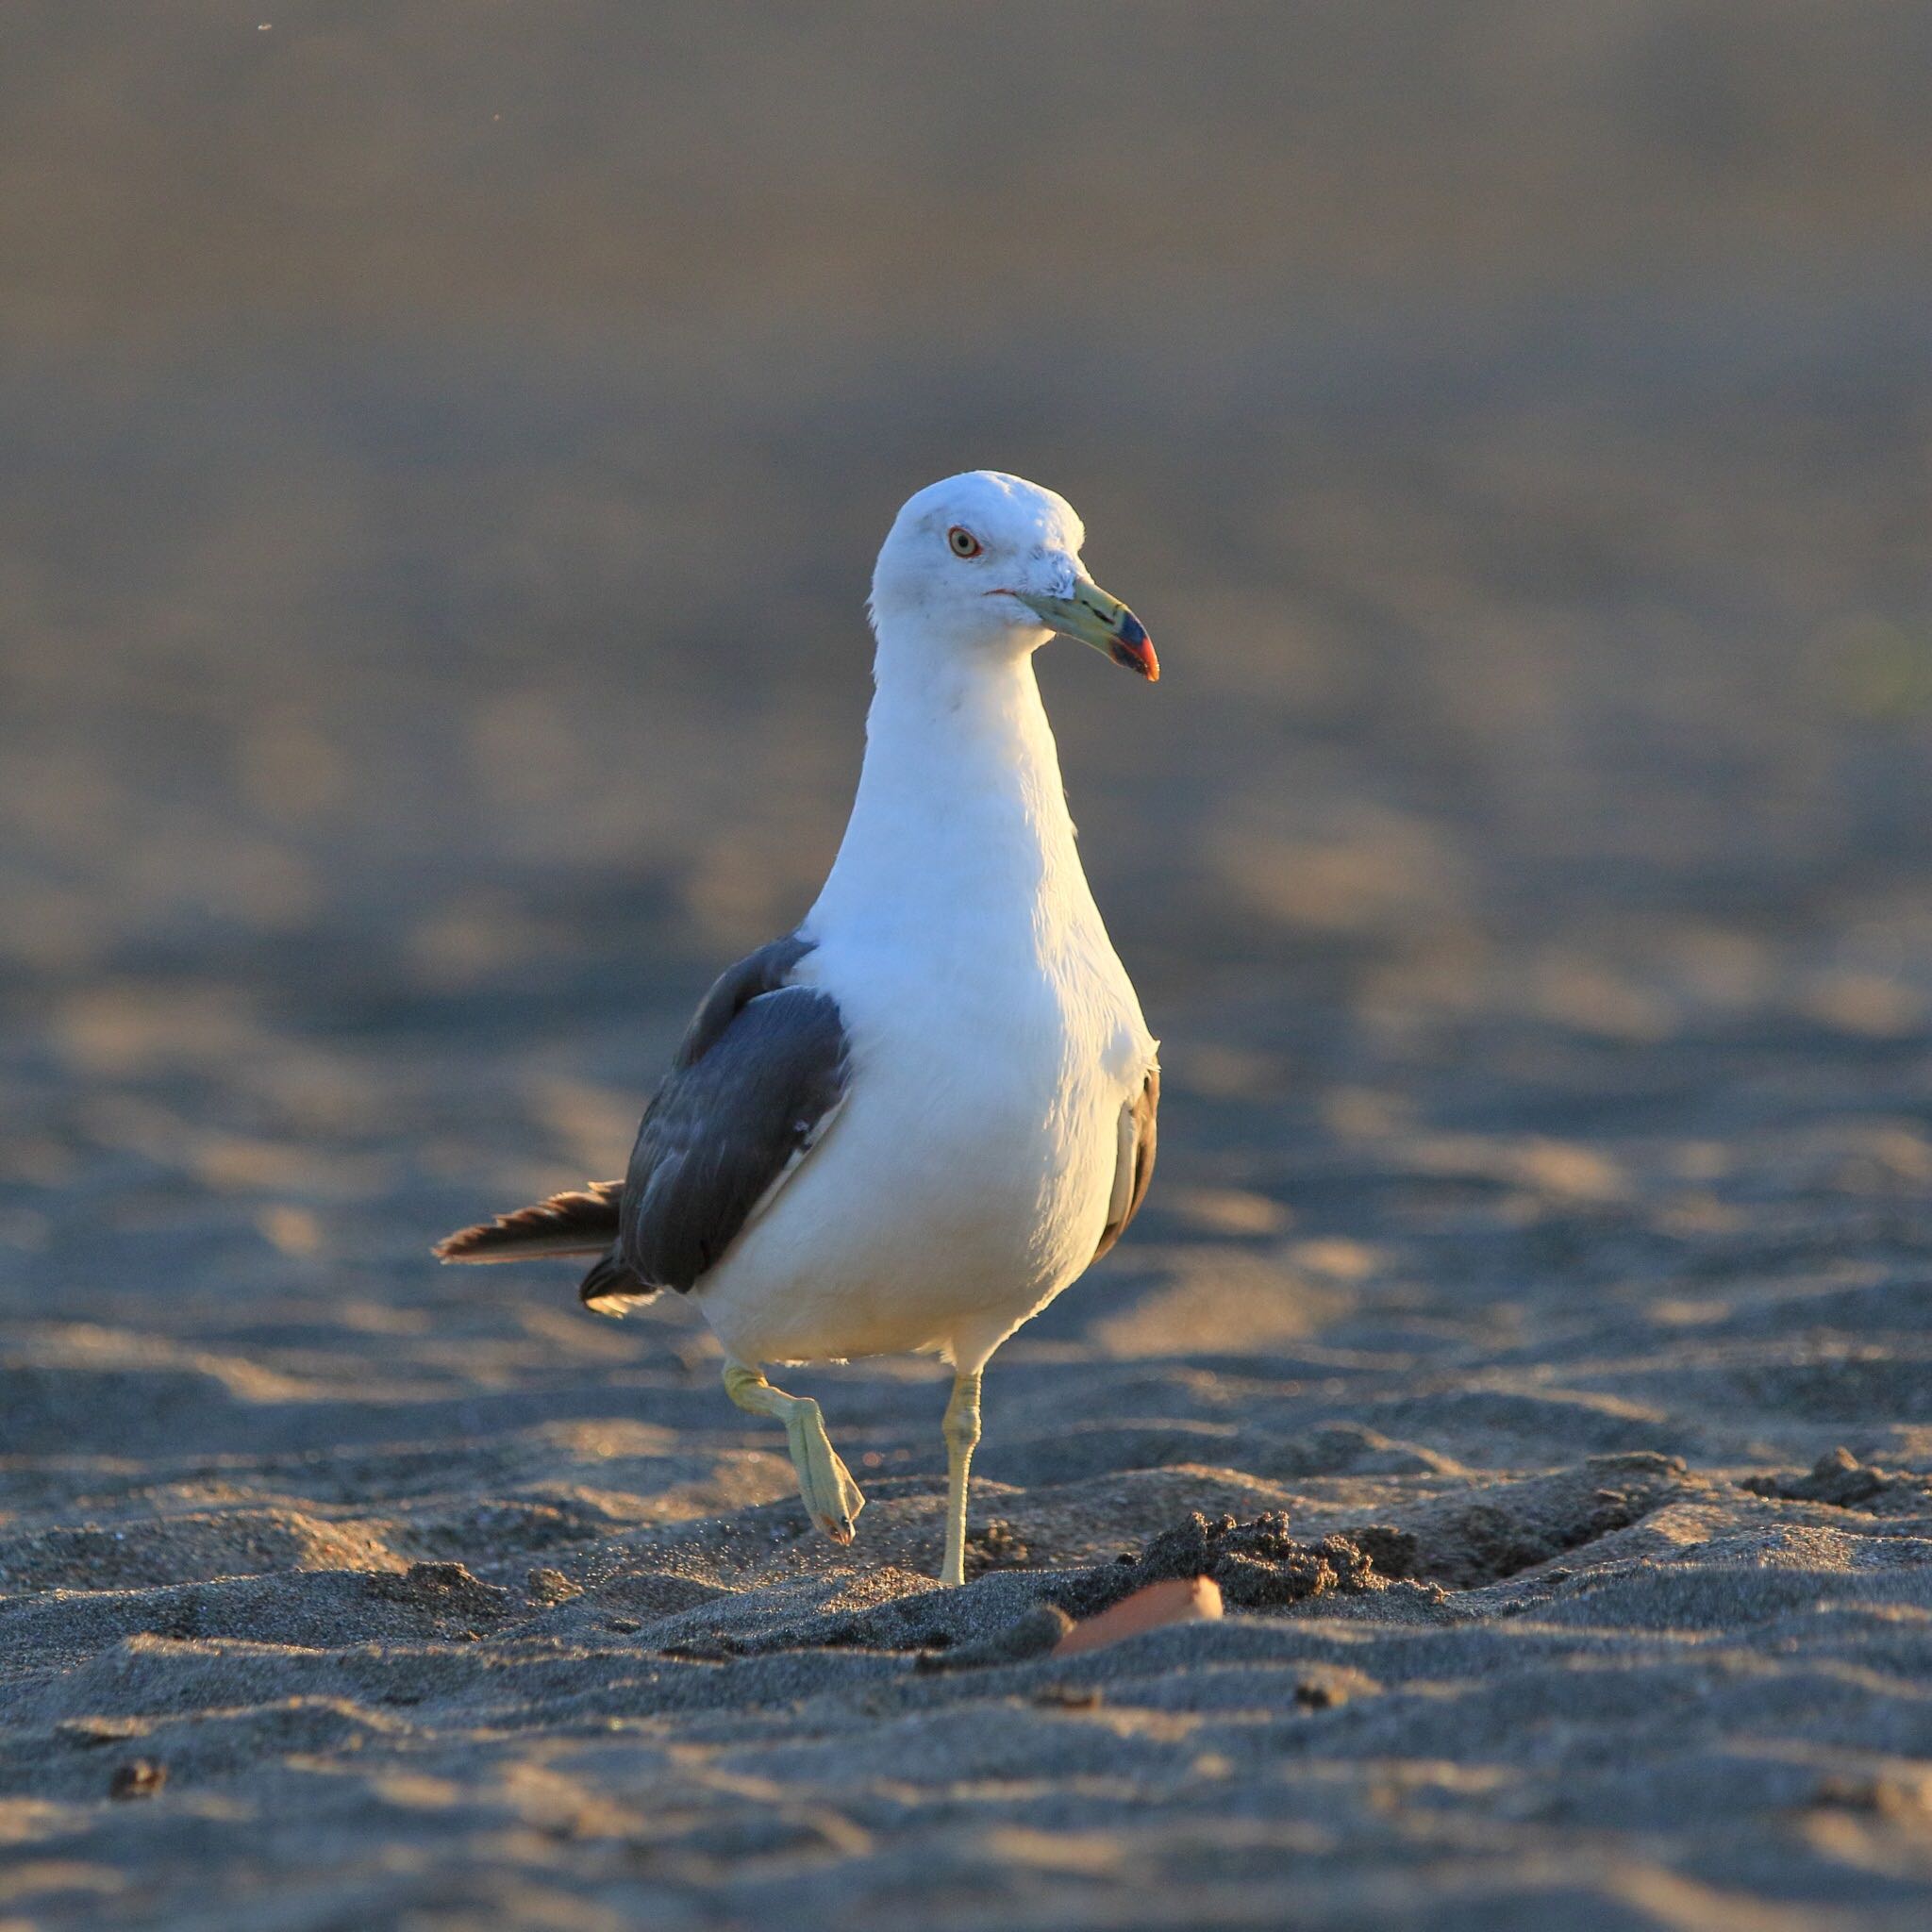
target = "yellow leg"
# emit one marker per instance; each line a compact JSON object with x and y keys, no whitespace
{"x":962,"y":1437}
{"x":831,"y":1497}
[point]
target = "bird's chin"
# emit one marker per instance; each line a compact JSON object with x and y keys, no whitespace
{"x":1007,"y":626}
{"x":1008,"y":609}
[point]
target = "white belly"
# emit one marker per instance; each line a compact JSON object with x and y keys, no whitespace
{"x":965,"y":1182}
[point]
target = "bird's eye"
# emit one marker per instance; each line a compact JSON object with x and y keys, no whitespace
{"x":963,"y":541}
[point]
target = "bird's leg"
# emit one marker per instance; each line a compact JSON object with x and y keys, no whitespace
{"x":962,"y":1436}
{"x":832,"y":1499}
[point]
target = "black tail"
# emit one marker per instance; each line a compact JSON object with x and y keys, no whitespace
{"x":582,"y":1223}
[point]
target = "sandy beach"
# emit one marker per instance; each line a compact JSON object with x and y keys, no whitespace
{"x":409,"y":698}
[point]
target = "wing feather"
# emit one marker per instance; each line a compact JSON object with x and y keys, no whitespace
{"x":1134,"y":1167}
{"x":756,"y":1080}
{"x":722,"y":1130}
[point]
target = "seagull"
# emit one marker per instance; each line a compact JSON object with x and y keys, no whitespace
{"x":912,"y":1120}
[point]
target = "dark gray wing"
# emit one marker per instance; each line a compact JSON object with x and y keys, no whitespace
{"x":755,"y":1081}
{"x":1136,"y":1164}
{"x":766,"y":971}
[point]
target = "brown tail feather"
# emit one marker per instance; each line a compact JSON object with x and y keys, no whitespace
{"x":579,"y":1222}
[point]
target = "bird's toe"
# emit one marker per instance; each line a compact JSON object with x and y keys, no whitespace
{"x":850,"y":1495}
{"x":831,"y":1497}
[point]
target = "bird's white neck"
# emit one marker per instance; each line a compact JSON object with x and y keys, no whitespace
{"x":960,"y":828}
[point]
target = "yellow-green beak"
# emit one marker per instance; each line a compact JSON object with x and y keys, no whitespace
{"x":1103,"y":620}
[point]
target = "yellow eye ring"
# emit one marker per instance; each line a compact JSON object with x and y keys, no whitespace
{"x":962,"y":541}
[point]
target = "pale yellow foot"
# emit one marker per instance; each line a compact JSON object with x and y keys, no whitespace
{"x":832,"y":1499}
{"x":962,"y":1437}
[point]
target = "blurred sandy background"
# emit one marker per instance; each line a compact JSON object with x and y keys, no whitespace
{"x":441,"y":452}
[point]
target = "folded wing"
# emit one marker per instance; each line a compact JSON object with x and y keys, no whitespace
{"x":756,"y":1080}
{"x":725,"y":1133}
{"x":1134,"y":1163}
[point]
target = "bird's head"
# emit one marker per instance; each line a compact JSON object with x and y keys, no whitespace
{"x":988,"y":563}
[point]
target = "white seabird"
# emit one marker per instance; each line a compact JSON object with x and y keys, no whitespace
{"x":910,"y":1124}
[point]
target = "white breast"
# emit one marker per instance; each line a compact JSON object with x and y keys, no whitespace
{"x":965,"y":1182}
{"x":995,"y":1038}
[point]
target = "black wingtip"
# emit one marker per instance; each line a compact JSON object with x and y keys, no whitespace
{"x":610,"y":1289}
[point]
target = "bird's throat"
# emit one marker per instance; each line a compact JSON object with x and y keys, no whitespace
{"x":961,"y":816}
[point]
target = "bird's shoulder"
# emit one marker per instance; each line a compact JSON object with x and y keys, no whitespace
{"x":770,"y":968}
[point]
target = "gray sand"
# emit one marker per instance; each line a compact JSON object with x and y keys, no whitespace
{"x":416,"y":677}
